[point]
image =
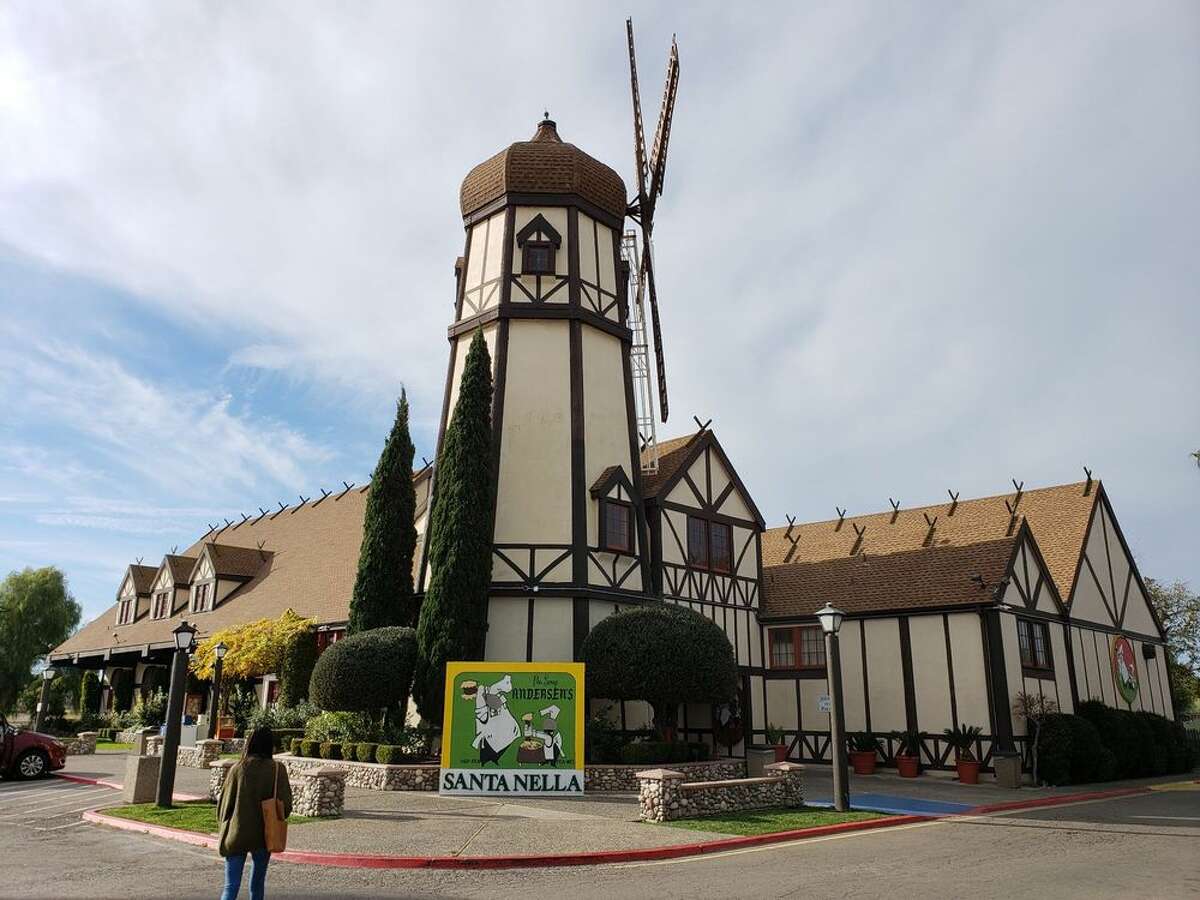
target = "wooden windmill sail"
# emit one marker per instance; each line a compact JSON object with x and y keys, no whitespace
{"x":650,"y":176}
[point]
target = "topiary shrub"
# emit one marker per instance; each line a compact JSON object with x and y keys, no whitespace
{"x":89,"y":695}
{"x":389,"y":754}
{"x":341,"y":726}
{"x":299,"y":658}
{"x":1071,"y":751}
{"x":297,"y":747}
{"x":371,"y":670}
{"x":121,"y":682}
{"x":330,"y":750}
{"x":366,"y":752}
{"x":661,"y":653}
{"x":310,"y":748}
{"x":349,"y":750}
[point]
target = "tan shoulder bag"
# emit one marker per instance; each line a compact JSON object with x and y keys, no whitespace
{"x":274,"y":820}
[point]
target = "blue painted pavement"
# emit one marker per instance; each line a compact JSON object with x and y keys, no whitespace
{"x":897,"y":805}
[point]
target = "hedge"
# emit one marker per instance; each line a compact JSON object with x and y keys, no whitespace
{"x":366,"y":751}
{"x":1144,"y":743}
{"x":299,"y":658}
{"x":647,"y":752}
{"x":370,"y":670}
{"x":389,"y":754}
{"x":1070,"y":751}
{"x":297,"y":746}
{"x":349,"y":750}
{"x":284,"y":736}
{"x":310,"y":748}
{"x":330,"y":750}
{"x":664,"y":654}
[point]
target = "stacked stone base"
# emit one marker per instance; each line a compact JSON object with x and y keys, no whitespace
{"x":197,"y":757}
{"x":370,"y":776}
{"x":83,"y":744}
{"x":664,"y":795}
{"x":624,"y":778}
{"x":318,"y":792}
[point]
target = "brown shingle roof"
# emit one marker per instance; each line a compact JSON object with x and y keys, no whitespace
{"x":311,"y":566}
{"x":672,"y":454}
{"x":181,"y":568}
{"x":911,"y":579}
{"x":543,"y":165}
{"x":1058,"y":518}
{"x":143,"y":578}
{"x":236,"y":562}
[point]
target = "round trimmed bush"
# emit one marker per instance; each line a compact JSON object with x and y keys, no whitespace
{"x":389,"y":754}
{"x":661,"y":653}
{"x":366,"y":752}
{"x":367,"y":671}
{"x":297,"y":747}
{"x":349,"y":750}
{"x":330,"y":750}
{"x":310,"y":748}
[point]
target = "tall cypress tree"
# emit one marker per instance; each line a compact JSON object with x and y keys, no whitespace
{"x":453,"y":618}
{"x":383,"y":589}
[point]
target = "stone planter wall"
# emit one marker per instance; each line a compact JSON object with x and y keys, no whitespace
{"x":372,"y":776}
{"x":319,"y":791}
{"x":233,"y":745}
{"x":128,"y":736}
{"x":197,"y":757}
{"x":664,"y":795}
{"x":624,"y":779}
{"x":83,"y":744}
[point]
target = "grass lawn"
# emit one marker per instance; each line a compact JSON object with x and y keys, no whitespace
{"x":190,"y":815}
{"x":112,"y":745}
{"x":767,"y":821}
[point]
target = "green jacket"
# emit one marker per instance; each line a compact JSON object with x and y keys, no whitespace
{"x":248,"y":783}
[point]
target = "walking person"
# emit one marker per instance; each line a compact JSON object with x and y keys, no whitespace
{"x":253,"y":779}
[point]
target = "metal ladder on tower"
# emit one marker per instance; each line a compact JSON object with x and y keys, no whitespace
{"x":639,"y":358}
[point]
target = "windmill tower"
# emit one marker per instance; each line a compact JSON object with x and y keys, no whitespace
{"x":543,"y":274}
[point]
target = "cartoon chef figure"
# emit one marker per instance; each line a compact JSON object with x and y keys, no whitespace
{"x":552,"y":743}
{"x":495,"y":727}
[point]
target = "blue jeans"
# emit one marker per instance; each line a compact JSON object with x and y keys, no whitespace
{"x":258,"y":875}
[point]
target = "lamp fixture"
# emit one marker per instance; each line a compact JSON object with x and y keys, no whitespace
{"x":830,"y":618}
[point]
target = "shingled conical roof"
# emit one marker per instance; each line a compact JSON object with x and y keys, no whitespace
{"x":544,"y":164}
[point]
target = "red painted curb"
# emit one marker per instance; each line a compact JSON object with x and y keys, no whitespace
{"x":118,"y":787}
{"x":380,"y":861}
{"x":1057,"y":801}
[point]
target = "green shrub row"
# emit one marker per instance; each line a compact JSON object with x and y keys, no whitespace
{"x":1101,"y":743}
{"x":364,"y":751}
{"x":647,"y":752}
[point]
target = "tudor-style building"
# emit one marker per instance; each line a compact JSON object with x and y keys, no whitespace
{"x":953,"y":609}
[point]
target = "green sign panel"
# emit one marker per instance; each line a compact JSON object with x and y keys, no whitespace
{"x":513,"y":728}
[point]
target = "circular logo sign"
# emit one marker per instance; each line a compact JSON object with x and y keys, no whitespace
{"x":1124,"y":665}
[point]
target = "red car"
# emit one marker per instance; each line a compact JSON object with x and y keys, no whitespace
{"x":28,"y":754}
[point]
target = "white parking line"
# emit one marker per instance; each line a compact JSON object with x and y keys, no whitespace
{"x":34,"y":788}
{"x":36,"y":809}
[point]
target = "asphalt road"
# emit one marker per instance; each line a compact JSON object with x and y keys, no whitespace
{"x":1134,"y":846}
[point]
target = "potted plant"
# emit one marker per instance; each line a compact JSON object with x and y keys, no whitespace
{"x":908,"y":752}
{"x":862,"y":752}
{"x":775,"y":740}
{"x":962,"y":738}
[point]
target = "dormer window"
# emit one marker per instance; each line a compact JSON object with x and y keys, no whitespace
{"x":539,"y":243}
{"x":161,"y":607}
{"x":125,"y":610}
{"x":202,"y":597}
{"x":616,"y":526}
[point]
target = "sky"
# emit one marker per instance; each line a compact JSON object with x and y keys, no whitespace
{"x":902,"y":248}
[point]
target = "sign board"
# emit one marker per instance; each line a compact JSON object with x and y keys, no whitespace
{"x":1124,"y":668}
{"x":824,"y":704}
{"x":513,"y":728}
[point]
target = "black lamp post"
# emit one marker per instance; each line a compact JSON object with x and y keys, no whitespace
{"x":831,"y":620}
{"x":43,"y":699}
{"x":214,"y":706}
{"x":184,"y":635}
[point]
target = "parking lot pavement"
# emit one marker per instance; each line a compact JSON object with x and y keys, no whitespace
{"x":50,"y":804}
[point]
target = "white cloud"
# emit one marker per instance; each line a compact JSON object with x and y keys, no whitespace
{"x":900,"y":252}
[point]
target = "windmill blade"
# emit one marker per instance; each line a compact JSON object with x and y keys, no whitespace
{"x":662,"y":134}
{"x":659,"y":364}
{"x":639,"y":134}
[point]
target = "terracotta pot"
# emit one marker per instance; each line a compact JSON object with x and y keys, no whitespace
{"x":908,"y":766}
{"x":780,"y":752}
{"x":968,"y":771}
{"x":863,"y":761}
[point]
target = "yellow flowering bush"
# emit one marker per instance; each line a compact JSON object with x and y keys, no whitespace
{"x":255,"y":648}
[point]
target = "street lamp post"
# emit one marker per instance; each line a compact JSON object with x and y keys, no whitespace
{"x":184,"y":635}
{"x":831,"y":620}
{"x":43,"y":699}
{"x":214,"y":706}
